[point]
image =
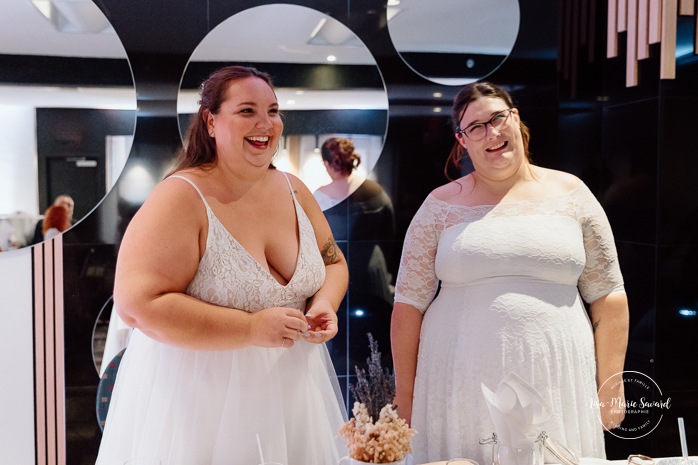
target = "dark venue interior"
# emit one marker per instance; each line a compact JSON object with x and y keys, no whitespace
{"x":632,"y":145}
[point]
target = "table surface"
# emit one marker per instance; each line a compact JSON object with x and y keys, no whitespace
{"x":693,"y":460}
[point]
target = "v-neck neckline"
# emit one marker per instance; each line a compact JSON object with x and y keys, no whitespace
{"x":259,"y":265}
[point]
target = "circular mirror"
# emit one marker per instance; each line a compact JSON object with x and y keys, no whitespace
{"x":327,"y":82}
{"x":67,"y":114}
{"x":453,"y":42}
{"x":110,"y":335}
{"x":100,"y":331}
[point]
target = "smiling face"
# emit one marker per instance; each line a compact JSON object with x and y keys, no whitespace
{"x":500,"y":153}
{"x":248,"y":126}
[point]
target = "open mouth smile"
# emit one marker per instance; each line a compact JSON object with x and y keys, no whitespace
{"x":497,"y":147}
{"x":260,"y":142}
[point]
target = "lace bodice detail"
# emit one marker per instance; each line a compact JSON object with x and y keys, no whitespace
{"x":229,"y":276}
{"x":564,"y":238}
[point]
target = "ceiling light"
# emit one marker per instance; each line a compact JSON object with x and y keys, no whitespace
{"x":393,"y":2}
{"x":333,"y":33}
{"x":74,"y":16}
{"x":392,"y":12}
{"x":331,"y":58}
{"x":437,"y":109}
{"x":437,"y":94}
{"x":290,"y":102}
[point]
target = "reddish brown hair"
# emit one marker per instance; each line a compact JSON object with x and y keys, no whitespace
{"x":200,"y":148}
{"x":56,"y":216}
{"x":340,"y":155}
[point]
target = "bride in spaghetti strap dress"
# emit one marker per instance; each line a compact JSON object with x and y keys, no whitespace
{"x":228,"y":354}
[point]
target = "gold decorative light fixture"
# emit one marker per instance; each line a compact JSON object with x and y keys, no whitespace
{"x":647,"y":22}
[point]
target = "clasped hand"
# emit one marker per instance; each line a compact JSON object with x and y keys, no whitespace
{"x":283,"y":326}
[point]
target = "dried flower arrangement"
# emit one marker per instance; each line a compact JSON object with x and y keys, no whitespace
{"x":388,"y":438}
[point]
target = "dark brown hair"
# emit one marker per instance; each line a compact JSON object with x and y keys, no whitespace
{"x":465,"y":96}
{"x":56,"y":216}
{"x":200,"y":148}
{"x":340,"y":155}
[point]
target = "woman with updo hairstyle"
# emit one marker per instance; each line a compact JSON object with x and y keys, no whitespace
{"x":340,"y":160}
{"x":339,"y":155}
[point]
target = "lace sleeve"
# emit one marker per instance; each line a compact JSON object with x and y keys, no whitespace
{"x":416,"y":280}
{"x":601,"y":274}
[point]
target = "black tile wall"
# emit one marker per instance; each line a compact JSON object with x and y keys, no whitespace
{"x":676,"y":328}
{"x":629,"y":169}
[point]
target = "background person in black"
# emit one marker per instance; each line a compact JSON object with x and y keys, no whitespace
{"x":63,"y":200}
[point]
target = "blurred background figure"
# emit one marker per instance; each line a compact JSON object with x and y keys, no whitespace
{"x":56,"y":220}
{"x":63,"y":200}
{"x":340,"y":161}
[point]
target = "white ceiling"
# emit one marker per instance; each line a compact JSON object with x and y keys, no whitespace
{"x":25,"y":31}
{"x":467,"y":26}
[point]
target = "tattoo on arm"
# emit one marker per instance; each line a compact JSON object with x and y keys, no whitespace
{"x":330,"y":252}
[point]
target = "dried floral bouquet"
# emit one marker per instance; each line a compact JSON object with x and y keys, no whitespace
{"x":376,"y":434}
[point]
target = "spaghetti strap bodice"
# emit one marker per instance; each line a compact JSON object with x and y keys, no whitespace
{"x":227,"y":271}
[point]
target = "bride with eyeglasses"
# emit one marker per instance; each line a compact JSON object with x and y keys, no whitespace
{"x":496,"y":268}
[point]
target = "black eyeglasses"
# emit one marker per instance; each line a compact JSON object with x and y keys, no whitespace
{"x":478,"y":131}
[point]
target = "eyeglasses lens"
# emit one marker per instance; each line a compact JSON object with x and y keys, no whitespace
{"x":478,"y":131}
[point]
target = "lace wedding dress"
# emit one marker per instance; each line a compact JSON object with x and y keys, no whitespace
{"x":510,"y":280}
{"x":190,"y":407}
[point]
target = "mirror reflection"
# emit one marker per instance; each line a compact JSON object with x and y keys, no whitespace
{"x":327,"y":82}
{"x":453,"y":42}
{"x":110,"y":336}
{"x":67,"y":116}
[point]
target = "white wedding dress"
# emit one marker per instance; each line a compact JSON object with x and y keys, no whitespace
{"x":510,"y":280}
{"x":195,"y":407}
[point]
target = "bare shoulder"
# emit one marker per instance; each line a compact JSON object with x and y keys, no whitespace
{"x":176,"y":191}
{"x":164,"y":241}
{"x":459,"y":187}
{"x":173,"y":198}
{"x":299,"y":187}
{"x":558,"y":181}
{"x":323,"y":233}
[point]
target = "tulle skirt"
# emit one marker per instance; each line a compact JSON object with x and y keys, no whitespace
{"x":187,"y":407}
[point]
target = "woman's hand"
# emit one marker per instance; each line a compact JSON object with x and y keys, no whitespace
{"x":322,"y":323}
{"x":277,"y":327}
{"x":403,"y":405}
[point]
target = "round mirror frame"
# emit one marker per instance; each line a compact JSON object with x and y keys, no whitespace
{"x":472,"y":40}
{"x":319,"y":99}
{"x":55,"y":82}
